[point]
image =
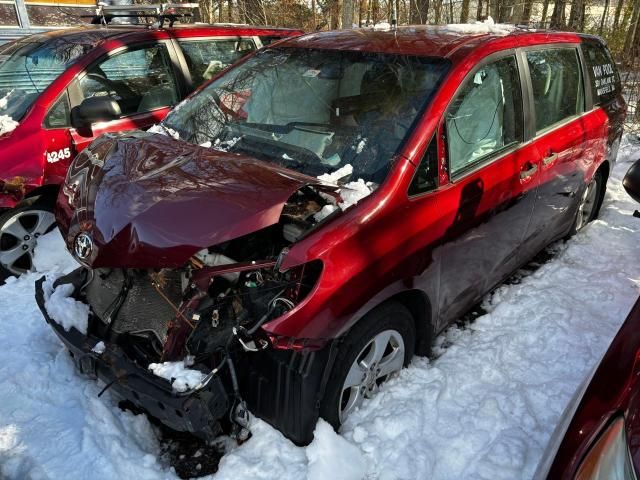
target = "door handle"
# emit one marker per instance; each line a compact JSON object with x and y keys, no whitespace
{"x":550,"y":159}
{"x":527,"y":173}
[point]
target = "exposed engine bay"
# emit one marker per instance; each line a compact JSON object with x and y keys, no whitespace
{"x":224,"y":293}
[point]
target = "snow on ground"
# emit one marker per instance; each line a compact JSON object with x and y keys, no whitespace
{"x":483,"y":409}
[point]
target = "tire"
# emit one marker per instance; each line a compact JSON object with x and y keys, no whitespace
{"x":390,"y":324}
{"x":590,"y":201}
{"x":20,"y":228}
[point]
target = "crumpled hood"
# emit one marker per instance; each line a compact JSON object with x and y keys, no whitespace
{"x":148,"y":201}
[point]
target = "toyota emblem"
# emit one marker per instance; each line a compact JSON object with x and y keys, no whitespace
{"x":83,"y":246}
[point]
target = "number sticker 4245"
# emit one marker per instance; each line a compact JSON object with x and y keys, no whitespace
{"x":58,"y":155}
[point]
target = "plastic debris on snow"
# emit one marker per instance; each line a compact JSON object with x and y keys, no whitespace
{"x":162,"y":130}
{"x":179,"y":375}
{"x":351,"y":192}
{"x":484,"y":27}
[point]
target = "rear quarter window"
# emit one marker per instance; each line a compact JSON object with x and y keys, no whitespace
{"x":602,"y":72}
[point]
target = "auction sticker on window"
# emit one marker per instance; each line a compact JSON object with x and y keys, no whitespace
{"x":604,"y":79}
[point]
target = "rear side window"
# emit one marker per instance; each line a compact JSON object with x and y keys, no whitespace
{"x":486,"y":115}
{"x":556,"y":80}
{"x":207,"y":57}
{"x":602,"y":73}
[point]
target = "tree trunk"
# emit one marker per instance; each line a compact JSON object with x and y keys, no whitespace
{"x":576,"y":15}
{"x":545,"y":10}
{"x":347,"y":13}
{"x":479,"y":11}
{"x":420,"y":12}
{"x":313,"y":15}
{"x":558,"y":16}
{"x":605,"y":14}
{"x":616,"y":19}
{"x":631,"y":40}
{"x":362,"y":12}
{"x":336,"y":14}
{"x":437,"y":10}
{"x":494,"y":9}
{"x":230,"y":7}
{"x":464,"y":12}
{"x":526,"y":12}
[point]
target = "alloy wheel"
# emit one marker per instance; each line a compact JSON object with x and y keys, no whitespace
{"x":377,"y":361}
{"x":587,"y":204}
{"x":18,"y":238}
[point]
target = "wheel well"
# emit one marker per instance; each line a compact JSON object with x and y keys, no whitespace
{"x":604,"y":169}
{"x":46,"y":192}
{"x":419,"y":306}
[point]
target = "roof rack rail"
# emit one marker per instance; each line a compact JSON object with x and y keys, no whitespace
{"x":161,"y":11}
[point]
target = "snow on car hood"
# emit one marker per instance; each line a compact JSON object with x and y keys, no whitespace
{"x":148,"y":201}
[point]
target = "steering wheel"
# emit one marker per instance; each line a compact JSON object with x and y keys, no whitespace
{"x":119,"y":89}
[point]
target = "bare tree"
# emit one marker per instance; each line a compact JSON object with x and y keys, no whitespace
{"x":347,"y":13}
{"x":558,"y":15}
{"x":464,"y":11}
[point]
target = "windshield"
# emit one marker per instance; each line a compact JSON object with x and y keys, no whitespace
{"x":313,"y":111}
{"x":29,"y":66}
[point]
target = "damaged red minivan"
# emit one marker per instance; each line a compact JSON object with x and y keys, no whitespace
{"x":318,"y":213}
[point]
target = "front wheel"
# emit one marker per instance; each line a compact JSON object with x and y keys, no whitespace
{"x":20,"y":229}
{"x":378,"y":347}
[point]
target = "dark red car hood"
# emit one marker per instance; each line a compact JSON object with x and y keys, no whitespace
{"x":149,"y":201}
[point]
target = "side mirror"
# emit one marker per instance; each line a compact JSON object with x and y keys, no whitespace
{"x":94,"y":109}
{"x":631,"y":181}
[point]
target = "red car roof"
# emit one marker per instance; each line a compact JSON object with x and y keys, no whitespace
{"x":425,"y":40}
{"x":96,"y":34}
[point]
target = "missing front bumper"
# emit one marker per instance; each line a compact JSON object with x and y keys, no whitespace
{"x":284,"y":388}
{"x":198,"y":413}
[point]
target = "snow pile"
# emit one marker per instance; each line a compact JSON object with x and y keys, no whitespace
{"x":351,"y":193}
{"x":163,"y":130}
{"x":479,"y":28}
{"x":7,"y":124}
{"x":180,"y":377}
{"x":330,"y":456}
{"x":51,"y":255}
{"x":64,"y":309}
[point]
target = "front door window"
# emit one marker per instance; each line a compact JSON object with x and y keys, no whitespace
{"x":140,"y":80}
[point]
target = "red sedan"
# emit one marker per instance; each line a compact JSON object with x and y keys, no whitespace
{"x":61,"y":90}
